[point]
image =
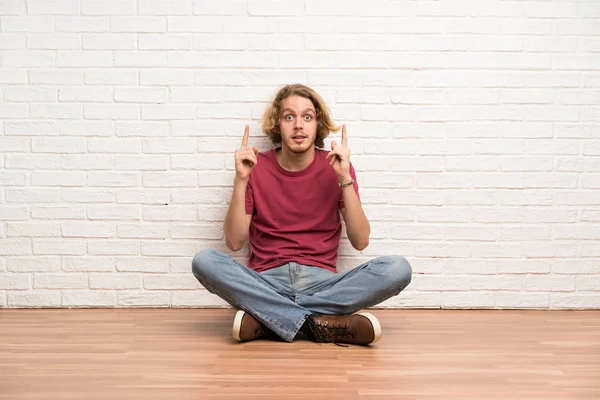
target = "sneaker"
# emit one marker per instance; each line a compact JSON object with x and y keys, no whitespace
{"x":246,"y":328}
{"x":360,"y":328}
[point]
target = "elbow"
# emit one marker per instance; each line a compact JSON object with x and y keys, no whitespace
{"x":361,"y":245}
{"x":234,"y":245}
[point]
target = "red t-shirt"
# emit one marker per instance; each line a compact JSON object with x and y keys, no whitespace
{"x":295,"y":215}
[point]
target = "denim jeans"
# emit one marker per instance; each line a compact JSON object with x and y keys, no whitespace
{"x":282,"y":298}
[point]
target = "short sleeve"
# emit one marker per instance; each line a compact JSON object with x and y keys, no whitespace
{"x":355,"y":184}
{"x":249,"y":197}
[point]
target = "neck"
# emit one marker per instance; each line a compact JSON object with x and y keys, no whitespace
{"x":295,"y":161}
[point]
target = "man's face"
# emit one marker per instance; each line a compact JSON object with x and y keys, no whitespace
{"x":298,"y":124}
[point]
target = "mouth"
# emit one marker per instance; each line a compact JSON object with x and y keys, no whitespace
{"x":298,"y":138}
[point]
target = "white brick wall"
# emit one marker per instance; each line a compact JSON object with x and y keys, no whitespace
{"x":474,"y":128}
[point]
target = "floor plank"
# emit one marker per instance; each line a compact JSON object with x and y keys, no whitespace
{"x":189,"y":353}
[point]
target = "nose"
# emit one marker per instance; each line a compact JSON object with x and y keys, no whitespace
{"x":298,"y":123}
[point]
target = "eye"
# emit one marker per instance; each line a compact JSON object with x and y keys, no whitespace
{"x":308,"y":117}
{"x":289,"y":117}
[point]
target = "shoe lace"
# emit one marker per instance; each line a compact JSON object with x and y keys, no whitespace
{"x":328,"y":332}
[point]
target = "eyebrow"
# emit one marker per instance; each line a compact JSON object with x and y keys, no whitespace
{"x":306,"y":109}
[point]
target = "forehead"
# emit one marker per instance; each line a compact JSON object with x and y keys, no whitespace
{"x":297,"y":103}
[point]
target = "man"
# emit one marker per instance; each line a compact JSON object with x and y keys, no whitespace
{"x":287,"y":202}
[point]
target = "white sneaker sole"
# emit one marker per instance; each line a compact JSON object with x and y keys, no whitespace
{"x":375,"y":323}
{"x":237,"y":325}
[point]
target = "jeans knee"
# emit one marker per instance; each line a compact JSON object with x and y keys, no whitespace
{"x":203,"y":263}
{"x":400,"y":271}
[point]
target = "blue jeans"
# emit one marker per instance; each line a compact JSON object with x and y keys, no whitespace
{"x":282,"y":298}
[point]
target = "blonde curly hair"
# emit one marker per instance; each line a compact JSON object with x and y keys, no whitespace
{"x":270,"y":122}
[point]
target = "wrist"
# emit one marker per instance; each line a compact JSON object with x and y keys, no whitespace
{"x":346,"y":183}
{"x":240,"y":181}
{"x":344,"y":179}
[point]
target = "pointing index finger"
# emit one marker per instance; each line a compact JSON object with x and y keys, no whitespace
{"x":246,"y":135}
{"x":344,"y":136}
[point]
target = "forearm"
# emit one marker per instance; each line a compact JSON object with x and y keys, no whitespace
{"x":236,"y":222}
{"x":357,"y":224}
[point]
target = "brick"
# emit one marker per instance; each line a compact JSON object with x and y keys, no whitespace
{"x":142,"y":264}
{"x":14,"y":282}
{"x":140,"y":59}
{"x":113,"y":212}
{"x":163,"y":77}
{"x":112,"y":281}
{"x":81,"y":24}
{"x":108,"y":42}
{"x":169,"y":179}
{"x":12,"y":7}
{"x":15,"y":247}
{"x":88,"y":229}
{"x":84,"y":59}
{"x":142,"y":162}
{"x":81,"y":298}
{"x":468,"y":299}
{"x":113,"y":247}
{"x":416,"y":232}
{"x":173,"y":249}
{"x":24,"y":161}
{"x":34,"y":299}
{"x":27,"y":24}
{"x":30,"y":94}
{"x":207,"y":7}
{"x":33,"y":264}
{"x":53,"y":7}
{"x":133,"y":196}
{"x":54,"y":77}
{"x":168,"y":112}
{"x":141,"y":95}
{"x":202,"y":231}
{"x":110,"y":77}
{"x":60,"y":281}
{"x":138,"y":24}
{"x":169,"y":213}
{"x":470,"y":233}
{"x":142,"y":129}
{"x":572,"y":301}
{"x":87,"y":162}
{"x":157,"y":7}
{"x":88,"y":264}
{"x":87,"y":195}
{"x":202,"y":196}
{"x":168,"y":146}
{"x":113,"y":179}
{"x":197,"y":163}
{"x":32,"y":195}
{"x":8,"y":76}
{"x":99,"y":95}
{"x":57,"y":212}
{"x":57,"y":111}
{"x":143,"y":231}
{"x":143,"y":299}
{"x":111,"y":111}
{"x":58,"y":178}
{"x":59,"y":247}
{"x":31,"y":128}
{"x":108,"y":7}
{"x":8,"y":178}
{"x":120,"y":145}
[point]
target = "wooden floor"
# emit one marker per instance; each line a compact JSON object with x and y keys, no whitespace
{"x":189,"y":354}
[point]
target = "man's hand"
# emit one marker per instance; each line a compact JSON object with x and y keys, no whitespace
{"x":245,"y":157}
{"x":340,"y":158}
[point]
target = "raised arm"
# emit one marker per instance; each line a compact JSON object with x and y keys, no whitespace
{"x":357,"y":224}
{"x":237,"y":222}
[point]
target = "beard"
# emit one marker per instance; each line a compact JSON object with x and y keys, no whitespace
{"x":299,"y":148}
